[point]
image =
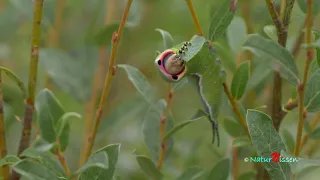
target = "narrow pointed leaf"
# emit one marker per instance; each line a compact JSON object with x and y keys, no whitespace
{"x":99,"y":160}
{"x":236,"y":33}
{"x":140,"y":82}
{"x":167,"y":38}
{"x":276,"y":53}
{"x":266,"y":140}
{"x":240,"y":79}
{"x":220,"y":20}
{"x":232,"y":127}
{"x":175,"y":129}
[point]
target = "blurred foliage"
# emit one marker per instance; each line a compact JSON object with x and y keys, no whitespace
{"x":128,"y":114}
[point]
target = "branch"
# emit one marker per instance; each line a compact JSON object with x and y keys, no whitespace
{"x":90,"y":105}
{"x":29,"y":108}
{"x":163,"y":127}
{"x":62,"y":161}
{"x":302,"y":85}
{"x":115,"y":44}
{"x":235,"y":108}
{"x":3,"y":145}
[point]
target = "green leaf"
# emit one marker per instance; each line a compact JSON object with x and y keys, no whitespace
{"x":278,"y":54}
{"x":260,"y":73}
{"x":99,"y":159}
{"x":224,"y":52}
{"x":220,"y":171}
{"x":247,"y":176}
{"x":315,"y":6}
{"x":288,"y":140}
{"x":266,"y":140}
{"x":312,"y":93}
{"x":151,"y":129}
{"x":190,"y":173}
{"x":233,"y":127}
{"x":9,"y":159}
{"x":149,"y":168}
{"x":167,"y":38}
{"x":16,"y":79}
{"x":271,"y":31}
{"x":175,"y":129}
{"x":140,"y":82}
{"x":49,"y":111}
{"x":220,"y":21}
{"x":34,"y":170}
{"x":240,"y":79}
{"x":315,"y":134}
{"x":197,"y":43}
{"x":236,"y":33}
{"x":98,"y":170}
{"x":63,"y":129}
{"x":241,"y":141}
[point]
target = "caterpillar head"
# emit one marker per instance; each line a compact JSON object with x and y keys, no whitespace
{"x":171,"y":64}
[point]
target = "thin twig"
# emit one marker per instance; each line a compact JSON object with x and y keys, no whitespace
{"x":62,"y":161}
{"x":235,"y":163}
{"x":313,"y":125}
{"x":33,"y":72}
{"x":194,"y":17}
{"x":235,"y":107}
{"x":3,"y":145}
{"x":302,"y":85}
{"x":90,"y":105}
{"x":115,"y":44}
{"x":163,"y":120}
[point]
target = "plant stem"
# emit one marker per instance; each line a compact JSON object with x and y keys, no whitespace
{"x":313,"y":125}
{"x":235,"y":107}
{"x":194,"y":17}
{"x":163,"y":120}
{"x":33,"y":71}
{"x":302,"y":85}
{"x":63,"y":161}
{"x":282,"y":32}
{"x":90,"y":106}
{"x":3,"y":145}
{"x":115,"y":44}
{"x":298,"y":42}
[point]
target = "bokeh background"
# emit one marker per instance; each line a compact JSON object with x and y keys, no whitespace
{"x":71,"y":56}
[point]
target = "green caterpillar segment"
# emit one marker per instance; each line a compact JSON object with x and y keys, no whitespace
{"x":196,"y":58}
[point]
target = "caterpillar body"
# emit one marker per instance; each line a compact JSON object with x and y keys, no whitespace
{"x":196,"y":58}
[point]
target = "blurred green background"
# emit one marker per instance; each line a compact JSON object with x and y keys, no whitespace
{"x":74,"y":61}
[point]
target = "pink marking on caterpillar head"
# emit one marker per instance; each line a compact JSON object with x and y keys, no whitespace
{"x":170,"y":67}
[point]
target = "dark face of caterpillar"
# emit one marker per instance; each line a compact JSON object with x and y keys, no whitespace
{"x":171,"y":65}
